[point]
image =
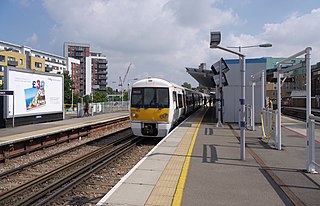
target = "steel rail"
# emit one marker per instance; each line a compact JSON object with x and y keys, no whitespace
{"x":21,"y":189}
{"x":48,"y":158}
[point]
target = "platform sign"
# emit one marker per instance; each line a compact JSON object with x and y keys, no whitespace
{"x":9,"y":93}
{"x":216,"y":67}
{"x":6,"y":92}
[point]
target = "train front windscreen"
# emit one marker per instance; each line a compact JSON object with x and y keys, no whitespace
{"x":150,"y":97}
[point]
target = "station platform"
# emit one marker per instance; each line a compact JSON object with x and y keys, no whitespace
{"x":20,"y":133}
{"x":199,"y":164}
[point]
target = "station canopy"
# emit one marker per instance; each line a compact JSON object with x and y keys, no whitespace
{"x":204,"y":77}
{"x":210,"y":78}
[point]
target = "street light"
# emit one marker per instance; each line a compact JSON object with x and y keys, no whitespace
{"x":243,"y":47}
{"x":214,"y":44}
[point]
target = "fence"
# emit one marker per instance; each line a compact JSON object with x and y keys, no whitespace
{"x":269,"y":122}
{"x":96,"y":108}
{"x":313,"y":148}
{"x":249,"y":117}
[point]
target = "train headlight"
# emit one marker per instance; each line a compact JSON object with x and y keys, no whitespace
{"x":134,"y":115}
{"x":163,"y":116}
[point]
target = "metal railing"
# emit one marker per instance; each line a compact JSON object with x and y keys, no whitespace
{"x":249,"y":117}
{"x":269,"y":120}
{"x":95,"y":108}
{"x":313,"y":161}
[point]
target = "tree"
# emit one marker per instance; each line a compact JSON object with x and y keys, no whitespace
{"x":99,"y":96}
{"x":68,"y":84}
{"x":186,"y":85}
{"x":125,"y":96}
{"x":110,"y":90}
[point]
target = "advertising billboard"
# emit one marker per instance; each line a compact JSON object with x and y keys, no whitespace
{"x":35,"y":93}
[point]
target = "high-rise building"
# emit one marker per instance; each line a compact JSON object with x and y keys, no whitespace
{"x":93,"y":68}
{"x":97,"y":66}
{"x":78,"y":51}
{"x":74,"y":71}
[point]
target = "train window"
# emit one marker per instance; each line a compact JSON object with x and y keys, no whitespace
{"x":136,"y":97}
{"x":163,"y":97}
{"x":180,"y":100}
{"x":150,"y":97}
{"x":174,"y":96}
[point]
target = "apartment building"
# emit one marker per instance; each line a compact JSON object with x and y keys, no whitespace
{"x":74,"y":70}
{"x":78,"y":51}
{"x":25,"y":57}
{"x":97,"y":72}
{"x":93,"y":68}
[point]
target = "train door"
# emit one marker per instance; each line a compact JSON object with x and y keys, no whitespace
{"x":184,"y":104}
{"x":175,"y":107}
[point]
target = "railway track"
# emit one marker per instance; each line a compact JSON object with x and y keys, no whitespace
{"x":45,"y":186}
{"x":49,"y":139}
{"x":298,"y":112}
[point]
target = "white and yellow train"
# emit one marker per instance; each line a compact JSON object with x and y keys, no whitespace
{"x":157,"y":105}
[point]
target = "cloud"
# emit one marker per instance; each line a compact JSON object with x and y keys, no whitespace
{"x":288,"y":37}
{"x":160,"y":37}
{"x":32,"y":40}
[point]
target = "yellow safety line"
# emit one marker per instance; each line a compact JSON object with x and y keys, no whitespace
{"x":183,"y":177}
{"x":25,"y":134}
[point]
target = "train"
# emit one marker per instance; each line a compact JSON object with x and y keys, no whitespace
{"x":157,"y":105}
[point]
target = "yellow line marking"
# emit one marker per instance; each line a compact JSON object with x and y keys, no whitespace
{"x":183,"y":177}
{"x":26,"y":134}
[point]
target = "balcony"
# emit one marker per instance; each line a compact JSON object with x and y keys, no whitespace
{"x":102,"y":83}
{"x":12,"y":63}
{"x":101,"y":77}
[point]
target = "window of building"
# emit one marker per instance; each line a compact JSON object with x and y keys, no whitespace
{"x":303,"y":85}
{"x":38,"y":65}
{"x":11,"y":59}
{"x":21,"y":62}
{"x":274,"y":85}
{"x":2,"y":58}
{"x":287,"y":85}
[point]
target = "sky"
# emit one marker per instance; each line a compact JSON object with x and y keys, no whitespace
{"x":162,"y":37}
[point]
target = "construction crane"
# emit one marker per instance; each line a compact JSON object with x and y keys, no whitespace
{"x":125,"y":76}
{"x":122,"y":81}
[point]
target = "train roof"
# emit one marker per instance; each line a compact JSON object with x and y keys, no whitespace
{"x":154,"y":82}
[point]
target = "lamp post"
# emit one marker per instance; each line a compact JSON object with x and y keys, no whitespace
{"x":214,"y":44}
{"x":244,"y":47}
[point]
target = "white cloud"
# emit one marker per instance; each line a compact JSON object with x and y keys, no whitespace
{"x":32,"y":40}
{"x":160,"y":37}
{"x":288,"y":37}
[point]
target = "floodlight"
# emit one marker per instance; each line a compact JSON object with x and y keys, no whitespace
{"x":215,"y":38}
{"x":265,"y":45}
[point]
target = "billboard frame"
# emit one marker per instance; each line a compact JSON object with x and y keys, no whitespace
{"x":38,"y":115}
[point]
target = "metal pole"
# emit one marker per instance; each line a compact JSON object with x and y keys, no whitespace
{"x":92,"y":104}
{"x":263,"y":94}
{"x":219,"y":123}
{"x":242,"y":107}
{"x":279,"y":108}
{"x":310,"y":139}
{"x":13,"y":111}
{"x":72,"y":99}
{"x":252,"y":111}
